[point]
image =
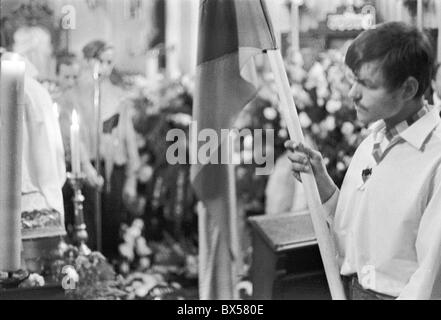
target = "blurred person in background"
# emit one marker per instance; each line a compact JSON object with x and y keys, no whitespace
{"x":66,"y":98}
{"x":118,"y":148}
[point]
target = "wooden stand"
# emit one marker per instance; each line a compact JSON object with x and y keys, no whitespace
{"x":286,"y":259}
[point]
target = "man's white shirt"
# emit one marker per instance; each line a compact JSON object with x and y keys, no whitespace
{"x":388,"y":228}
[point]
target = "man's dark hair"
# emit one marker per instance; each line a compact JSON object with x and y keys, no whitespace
{"x":65,"y":58}
{"x":402,"y":50}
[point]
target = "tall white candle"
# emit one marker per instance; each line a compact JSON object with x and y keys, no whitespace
{"x":11,"y":144}
{"x":420,"y":14}
{"x":75,"y":144}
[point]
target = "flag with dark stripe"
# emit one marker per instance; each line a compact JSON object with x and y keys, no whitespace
{"x":231,"y":33}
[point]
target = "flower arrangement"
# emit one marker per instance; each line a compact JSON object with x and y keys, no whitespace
{"x":91,"y":277}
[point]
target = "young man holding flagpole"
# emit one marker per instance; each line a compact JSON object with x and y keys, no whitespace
{"x":231,"y":33}
{"x":386,"y":217}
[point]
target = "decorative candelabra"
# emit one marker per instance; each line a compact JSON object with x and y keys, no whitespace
{"x":80,"y":236}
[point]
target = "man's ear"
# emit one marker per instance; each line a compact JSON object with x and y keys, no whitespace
{"x":410,"y":88}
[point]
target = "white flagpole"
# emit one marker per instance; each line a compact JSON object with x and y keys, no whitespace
{"x":234,"y":236}
{"x":322,"y":232}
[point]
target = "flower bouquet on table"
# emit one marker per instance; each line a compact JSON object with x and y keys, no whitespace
{"x":154,"y":270}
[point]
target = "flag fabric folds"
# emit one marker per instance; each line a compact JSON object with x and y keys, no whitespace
{"x":231,"y":32}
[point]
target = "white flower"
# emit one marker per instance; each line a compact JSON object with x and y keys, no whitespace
{"x":329,"y":123}
{"x":133,"y":232}
{"x":315,"y":128}
{"x":283,"y":133}
{"x":270,"y":113}
{"x":347,"y":160}
{"x":62,"y":247}
{"x":341,"y":166}
{"x":141,"y":292}
{"x":347,"y":128}
{"x":145,"y":174}
{"x":126,"y":251}
{"x":37,"y":280}
{"x":124,"y":267}
{"x":138,"y":224}
{"x":144,"y":263}
{"x":141,"y":247}
{"x":304,"y":119}
{"x":333,"y":106}
{"x":182,"y":119}
{"x":322,"y":92}
{"x":192,"y":265}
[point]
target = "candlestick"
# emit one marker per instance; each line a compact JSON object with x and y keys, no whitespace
{"x":75,"y":144}
{"x":11,"y":132}
{"x":81,"y":236}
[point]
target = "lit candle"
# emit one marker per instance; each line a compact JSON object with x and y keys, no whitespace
{"x":11,"y":137}
{"x":75,"y":144}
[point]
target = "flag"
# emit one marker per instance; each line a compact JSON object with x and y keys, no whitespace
{"x":231,"y":33}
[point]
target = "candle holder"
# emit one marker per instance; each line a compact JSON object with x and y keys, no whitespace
{"x":80,"y":236}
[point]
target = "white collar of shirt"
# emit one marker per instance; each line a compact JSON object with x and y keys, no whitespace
{"x":415,"y":134}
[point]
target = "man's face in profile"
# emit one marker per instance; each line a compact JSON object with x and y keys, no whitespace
{"x":436,"y":84}
{"x":372,"y":98}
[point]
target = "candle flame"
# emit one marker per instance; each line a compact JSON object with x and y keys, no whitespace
{"x":75,"y":119}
